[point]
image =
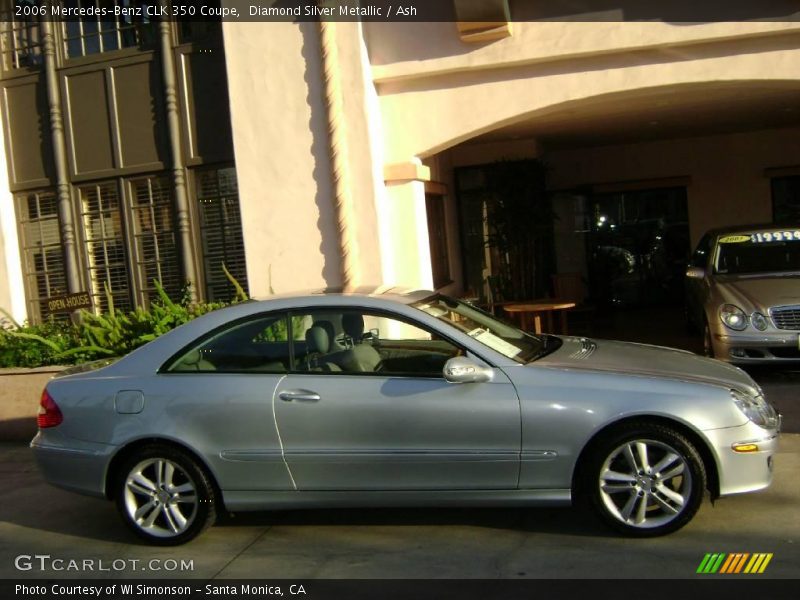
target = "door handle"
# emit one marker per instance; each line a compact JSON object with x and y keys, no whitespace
{"x":299,"y":395}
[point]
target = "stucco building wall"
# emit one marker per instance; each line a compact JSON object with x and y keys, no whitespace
{"x":416,"y":91}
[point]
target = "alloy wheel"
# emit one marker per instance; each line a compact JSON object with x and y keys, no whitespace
{"x":160,"y":497}
{"x":645,"y":484}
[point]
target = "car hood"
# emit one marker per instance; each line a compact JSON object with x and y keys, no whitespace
{"x":759,"y":291}
{"x":646,"y":360}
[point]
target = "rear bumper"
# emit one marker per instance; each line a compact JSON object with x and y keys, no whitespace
{"x":741,"y":472}
{"x":79,"y":467}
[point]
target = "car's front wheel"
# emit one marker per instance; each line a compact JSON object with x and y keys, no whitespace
{"x":164,"y":496}
{"x":644,"y":480}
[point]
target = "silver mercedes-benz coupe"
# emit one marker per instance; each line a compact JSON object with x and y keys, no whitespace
{"x":399,"y":399}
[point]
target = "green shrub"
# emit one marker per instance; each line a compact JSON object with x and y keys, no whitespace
{"x":113,"y":333}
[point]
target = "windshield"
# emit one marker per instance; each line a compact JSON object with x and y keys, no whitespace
{"x":486,"y":329}
{"x":758,"y":252}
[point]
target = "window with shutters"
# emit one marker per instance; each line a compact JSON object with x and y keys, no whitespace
{"x":154,"y":248}
{"x":21,"y":41}
{"x":121,"y":27}
{"x":42,"y":254}
{"x":106,"y":258}
{"x":130,"y":241}
{"x":220,"y":231}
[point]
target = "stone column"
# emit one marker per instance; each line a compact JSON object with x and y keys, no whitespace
{"x":177,"y":165}
{"x":68,"y":240}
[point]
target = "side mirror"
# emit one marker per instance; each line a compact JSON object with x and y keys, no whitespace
{"x":464,"y":370}
{"x":695,"y":273}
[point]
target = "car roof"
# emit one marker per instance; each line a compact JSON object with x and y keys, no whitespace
{"x":750,"y":228}
{"x":403,"y":295}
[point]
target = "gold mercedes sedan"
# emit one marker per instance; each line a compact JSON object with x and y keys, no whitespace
{"x":743,"y":292}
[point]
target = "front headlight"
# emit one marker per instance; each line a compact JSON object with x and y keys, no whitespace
{"x":756,"y":409}
{"x":733,"y":316}
{"x":759,"y":321}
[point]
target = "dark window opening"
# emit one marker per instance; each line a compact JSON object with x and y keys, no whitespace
{"x":437,"y":237}
{"x":637,"y":246}
{"x":786,"y":200}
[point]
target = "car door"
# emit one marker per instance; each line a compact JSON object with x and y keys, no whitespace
{"x":218,"y":393}
{"x":351,"y":424}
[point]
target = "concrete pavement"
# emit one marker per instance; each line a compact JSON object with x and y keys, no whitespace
{"x":36,"y":519}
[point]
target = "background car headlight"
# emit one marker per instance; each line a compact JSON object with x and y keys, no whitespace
{"x":756,"y":409}
{"x":733,"y":316}
{"x":759,"y":321}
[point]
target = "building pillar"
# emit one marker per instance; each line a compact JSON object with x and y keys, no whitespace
{"x":409,"y":248}
{"x":177,"y":164}
{"x":68,"y":240}
{"x":339,"y":156}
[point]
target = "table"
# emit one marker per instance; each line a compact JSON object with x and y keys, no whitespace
{"x":535,"y":309}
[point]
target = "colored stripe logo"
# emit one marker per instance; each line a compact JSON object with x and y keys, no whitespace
{"x":734,"y":563}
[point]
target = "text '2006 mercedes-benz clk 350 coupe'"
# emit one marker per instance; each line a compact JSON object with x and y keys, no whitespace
{"x":399,"y":399}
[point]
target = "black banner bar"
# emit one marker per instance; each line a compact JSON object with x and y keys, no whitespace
{"x":707,"y":588}
{"x":672,"y":11}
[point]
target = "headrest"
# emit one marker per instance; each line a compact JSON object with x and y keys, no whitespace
{"x":317,"y":340}
{"x":353,"y":325}
{"x":328,"y":327}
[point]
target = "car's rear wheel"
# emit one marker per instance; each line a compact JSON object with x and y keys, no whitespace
{"x":644,"y":480}
{"x":164,"y":496}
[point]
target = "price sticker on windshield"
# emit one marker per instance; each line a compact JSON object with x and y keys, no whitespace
{"x":776,"y":236}
{"x":734,"y":239}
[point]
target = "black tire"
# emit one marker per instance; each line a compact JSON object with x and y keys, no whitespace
{"x":609,"y":496}
{"x":170,"y":498}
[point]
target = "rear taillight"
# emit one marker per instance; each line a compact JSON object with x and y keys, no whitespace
{"x":49,"y":413}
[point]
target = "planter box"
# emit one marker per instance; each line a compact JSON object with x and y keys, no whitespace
{"x":20,"y":392}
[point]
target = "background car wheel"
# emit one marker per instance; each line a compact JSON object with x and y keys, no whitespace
{"x":164,"y":496}
{"x":644,"y":480}
{"x":708,"y":346}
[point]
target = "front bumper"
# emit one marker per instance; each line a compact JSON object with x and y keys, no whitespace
{"x":741,"y":472}
{"x":749,"y":347}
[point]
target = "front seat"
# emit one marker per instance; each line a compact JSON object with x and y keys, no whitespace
{"x":317,"y":345}
{"x":361,"y":358}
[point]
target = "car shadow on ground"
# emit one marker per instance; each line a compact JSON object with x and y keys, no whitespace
{"x":563,"y":521}
{"x":98,"y":520}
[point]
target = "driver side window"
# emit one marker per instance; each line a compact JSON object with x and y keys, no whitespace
{"x":357,"y":341}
